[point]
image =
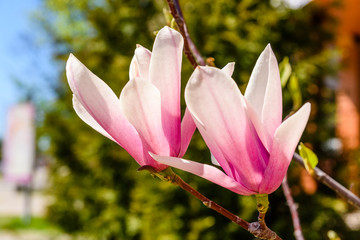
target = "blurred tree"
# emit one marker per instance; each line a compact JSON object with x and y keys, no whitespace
{"x":96,"y":190}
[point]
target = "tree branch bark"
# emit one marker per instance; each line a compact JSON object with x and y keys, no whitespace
{"x":293,"y":210}
{"x":259,"y":230}
{"x":321,"y":176}
{"x":190,"y":50}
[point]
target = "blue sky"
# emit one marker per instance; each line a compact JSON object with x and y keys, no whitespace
{"x":25,"y":58}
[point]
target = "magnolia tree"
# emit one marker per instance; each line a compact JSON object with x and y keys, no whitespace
{"x":245,"y":133}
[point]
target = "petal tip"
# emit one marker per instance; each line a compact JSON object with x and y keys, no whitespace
{"x":168,"y":31}
{"x":229,"y":68}
{"x":71,"y":58}
{"x":307,"y":108}
{"x":268,"y":51}
{"x":268,"y":48}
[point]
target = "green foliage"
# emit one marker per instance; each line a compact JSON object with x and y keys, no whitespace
{"x":310,"y":158}
{"x":332,"y":235}
{"x":295,"y":92}
{"x":18,"y":224}
{"x":97,"y":192}
{"x":285,"y":71}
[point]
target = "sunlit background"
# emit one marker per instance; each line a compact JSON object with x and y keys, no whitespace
{"x":83,"y":186}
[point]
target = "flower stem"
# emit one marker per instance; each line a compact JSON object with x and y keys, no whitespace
{"x":259,"y":228}
{"x":262,"y":203}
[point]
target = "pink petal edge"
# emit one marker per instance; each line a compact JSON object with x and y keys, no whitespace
{"x":264,"y":96}
{"x":143,"y":58}
{"x":213,"y":97}
{"x":286,"y":139}
{"x":88,"y":119}
{"x":141,"y":104}
{"x":165,"y":74}
{"x":101,"y":103}
{"x":187,"y":130}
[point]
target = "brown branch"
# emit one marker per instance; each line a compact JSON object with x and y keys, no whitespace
{"x":262,"y":231}
{"x":321,"y":176}
{"x":190,"y":49}
{"x":258,"y":230}
{"x":293,"y":210}
{"x":175,"y":179}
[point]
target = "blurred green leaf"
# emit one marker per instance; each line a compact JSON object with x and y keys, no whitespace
{"x":332,"y":235}
{"x":310,"y":158}
{"x":295,"y":92}
{"x":285,"y":71}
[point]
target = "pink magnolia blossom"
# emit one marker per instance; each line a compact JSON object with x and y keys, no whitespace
{"x":147,"y":116}
{"x":245,"y":134}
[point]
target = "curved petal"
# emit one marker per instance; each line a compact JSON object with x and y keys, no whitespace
{"x":187,"y":130}
{"x":214,"y":98}
{"x":205,"y":171}
{"x":229,"y":68}
{"x":164,"y":72}
{"x":88,"y":119}
{"x":143,"y":57}
{"x":286,"y":139}
{"x":216,"y":151}
{"x":264,"y":95}
{"x":101,"y":103}
{"x":134,"y":69}
{"x":140,"y":103}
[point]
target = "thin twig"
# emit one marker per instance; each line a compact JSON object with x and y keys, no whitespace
{"x":190,"y":49}
{"x":293,"y":210}
{"x":321,"y":176}
{"x":258,"y":230}
{"x":209,"y":203}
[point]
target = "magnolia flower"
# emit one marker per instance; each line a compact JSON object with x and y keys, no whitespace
{"x":245,"y":134}
{"x":147,"y":117}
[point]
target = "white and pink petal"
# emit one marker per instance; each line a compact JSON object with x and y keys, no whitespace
{"x":286,"y":139}
{"x":187,"y":130}
{"x":165,"y":73}
{"x":95,"y":98}
{"x":214,"y":99}
{"x":143,"y":58}
{"x":229,"y":68}
{"x":88,"y":119}
{"x":141,"y":104}
{"x":264,"y":95}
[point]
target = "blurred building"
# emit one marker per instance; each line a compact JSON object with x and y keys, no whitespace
{"x":347,"y":13}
